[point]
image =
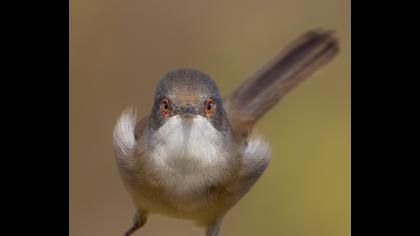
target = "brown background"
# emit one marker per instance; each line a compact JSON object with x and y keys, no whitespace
{"x":119,"y":50}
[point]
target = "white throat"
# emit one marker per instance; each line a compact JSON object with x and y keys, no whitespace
{"x":185,"y":142}
{"x":188,"y":153}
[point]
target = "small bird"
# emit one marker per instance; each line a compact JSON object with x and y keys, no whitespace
{"x":193,"y":157}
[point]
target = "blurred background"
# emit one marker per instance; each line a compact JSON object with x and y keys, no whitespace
{"x":120,"y":49}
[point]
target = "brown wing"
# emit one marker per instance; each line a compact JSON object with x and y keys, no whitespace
{"x":256,"y":95}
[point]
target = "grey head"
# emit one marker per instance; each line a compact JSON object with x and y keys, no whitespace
{"x":188,"y":93}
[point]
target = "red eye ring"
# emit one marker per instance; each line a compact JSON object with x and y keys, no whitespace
{"x":209,"y":107}
{"x":165,"y":108}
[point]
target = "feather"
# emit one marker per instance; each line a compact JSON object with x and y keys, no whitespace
{"x":254,"y":97}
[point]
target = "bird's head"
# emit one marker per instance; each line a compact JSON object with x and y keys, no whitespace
{"x":188,"y":95}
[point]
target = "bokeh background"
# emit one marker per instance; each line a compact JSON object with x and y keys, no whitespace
{"x":118,"y":51}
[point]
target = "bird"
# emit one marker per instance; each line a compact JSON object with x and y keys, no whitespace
{"x":193,"y":157}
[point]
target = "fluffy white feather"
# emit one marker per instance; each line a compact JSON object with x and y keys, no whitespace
{"x":123,"y":136}
{"x":257,"y":151}
{"x":256,"y":156}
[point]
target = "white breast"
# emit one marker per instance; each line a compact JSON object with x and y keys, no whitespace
{"x":188,"y":154}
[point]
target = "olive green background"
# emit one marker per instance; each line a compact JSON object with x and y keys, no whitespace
{"x":118,"y":51}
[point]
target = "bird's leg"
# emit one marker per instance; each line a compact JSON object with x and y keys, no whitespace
{"x":213,"y":228}
{"x":138,"y":221}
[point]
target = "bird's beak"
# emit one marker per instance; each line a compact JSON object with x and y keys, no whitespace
{"x":188,"y":112}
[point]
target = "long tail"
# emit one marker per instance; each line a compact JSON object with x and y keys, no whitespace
{"x":259,"y":93}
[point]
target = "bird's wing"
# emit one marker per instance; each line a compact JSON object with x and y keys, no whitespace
{"x":127,"y":133}
{"x":259,"y":93}
{"x":123,"y":138}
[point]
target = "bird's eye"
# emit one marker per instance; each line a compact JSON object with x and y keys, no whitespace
{"x":165,"y":108}
{"x":209,"y":107}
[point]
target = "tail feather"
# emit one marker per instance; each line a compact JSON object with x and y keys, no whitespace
{"x":254,"y":97}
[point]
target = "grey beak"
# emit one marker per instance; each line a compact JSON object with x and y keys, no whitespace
{"x":187,"y":111}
